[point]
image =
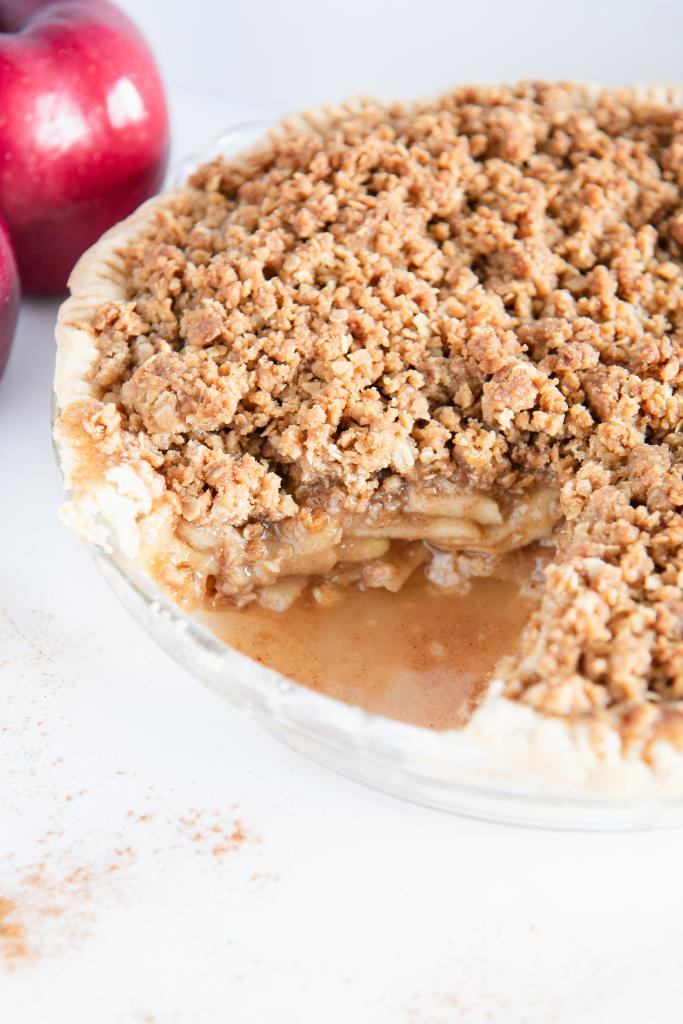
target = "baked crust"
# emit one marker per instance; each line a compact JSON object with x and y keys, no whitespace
{"x":604,"y":654}
{"x":106,"y":501}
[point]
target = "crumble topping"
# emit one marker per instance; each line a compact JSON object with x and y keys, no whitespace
{"x":485,"y":287}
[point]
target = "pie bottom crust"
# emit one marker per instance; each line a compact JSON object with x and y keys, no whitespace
{"x":123,"y":504}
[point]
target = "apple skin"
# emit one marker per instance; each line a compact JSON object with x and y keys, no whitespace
{"x":84,"y":132}
{"x":9,"y":295}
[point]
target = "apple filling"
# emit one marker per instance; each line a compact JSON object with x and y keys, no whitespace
{"x":454,"y":534}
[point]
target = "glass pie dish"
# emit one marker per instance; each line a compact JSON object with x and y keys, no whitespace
{"x":438,"y":769}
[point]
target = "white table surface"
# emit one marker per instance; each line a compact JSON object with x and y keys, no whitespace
{"x":123,"y":780}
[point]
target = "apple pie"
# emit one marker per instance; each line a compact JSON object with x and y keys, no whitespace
{"x":401,"y":337}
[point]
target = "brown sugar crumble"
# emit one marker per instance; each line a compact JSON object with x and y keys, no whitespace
{"x":485,"y":288}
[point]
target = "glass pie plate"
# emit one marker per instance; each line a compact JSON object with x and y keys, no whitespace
{"x":437,"y":769}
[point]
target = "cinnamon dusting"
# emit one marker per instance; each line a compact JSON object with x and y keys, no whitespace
{"x":12,"y":932}
{"x":53,"y":905}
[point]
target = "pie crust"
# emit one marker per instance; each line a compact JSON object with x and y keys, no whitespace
{"x":581,"y":391}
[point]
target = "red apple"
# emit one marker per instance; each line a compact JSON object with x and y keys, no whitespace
{"x":83,"y":129}
{"x":9,"y":294}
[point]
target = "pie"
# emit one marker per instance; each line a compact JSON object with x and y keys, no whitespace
{"x":405,"y":336}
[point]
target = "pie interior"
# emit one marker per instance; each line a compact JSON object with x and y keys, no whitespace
{"x":401,"y":338}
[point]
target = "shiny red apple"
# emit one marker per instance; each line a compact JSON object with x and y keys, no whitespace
{"x":9,"y":294}
{"x":83,"y":129}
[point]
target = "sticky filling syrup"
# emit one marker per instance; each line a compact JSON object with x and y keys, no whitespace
{"x":421,"y":655}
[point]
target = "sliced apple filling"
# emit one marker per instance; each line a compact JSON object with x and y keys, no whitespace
{"x":378,"y":548}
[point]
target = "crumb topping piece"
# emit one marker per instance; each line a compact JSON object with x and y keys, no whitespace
{"x":487,"y":286}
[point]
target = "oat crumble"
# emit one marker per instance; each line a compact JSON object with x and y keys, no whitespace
{"x":487,"y":287}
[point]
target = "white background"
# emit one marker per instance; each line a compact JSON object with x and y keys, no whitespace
{"x":340,"y":905}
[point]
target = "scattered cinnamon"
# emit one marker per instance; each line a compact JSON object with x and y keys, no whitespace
{"x":211,"y":835}
{"x":12,"y":932}
{"x":71,"y":892}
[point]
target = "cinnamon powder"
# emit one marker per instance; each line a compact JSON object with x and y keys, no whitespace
{"x":72,"y":891}
{"x":12,"y":932}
